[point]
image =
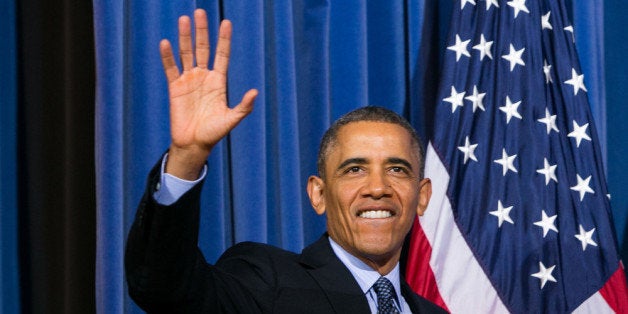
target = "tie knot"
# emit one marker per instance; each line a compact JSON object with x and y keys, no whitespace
{"x":383,"y":287}
{"x":385,"y":295}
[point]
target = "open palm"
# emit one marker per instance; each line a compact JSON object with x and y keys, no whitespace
{"x":199,"y":113}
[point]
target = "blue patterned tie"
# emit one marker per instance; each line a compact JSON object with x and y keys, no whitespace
{"x":385,"y":296}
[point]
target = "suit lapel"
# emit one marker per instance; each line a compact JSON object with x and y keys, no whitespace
{"x":410,"y":296}
{"x":342,"y":291}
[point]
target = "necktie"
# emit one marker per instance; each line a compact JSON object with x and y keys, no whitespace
{"x":385,"y":296}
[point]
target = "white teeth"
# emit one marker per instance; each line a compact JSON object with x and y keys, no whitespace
{"x":376,"y":214}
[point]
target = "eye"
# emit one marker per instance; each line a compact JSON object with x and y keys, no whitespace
{"x":353,"y":171}
{"x":399,"y":171}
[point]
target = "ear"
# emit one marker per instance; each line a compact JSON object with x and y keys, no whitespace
{"x":425,"y":193}
{"x":315,"y":189}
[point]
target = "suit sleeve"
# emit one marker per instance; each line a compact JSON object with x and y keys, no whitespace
{"x":161,"y":251}
{"x":165,"y":270}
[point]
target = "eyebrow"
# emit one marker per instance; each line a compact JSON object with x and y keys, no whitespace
{"x":362,"y":161}
{"x":357,"y":160}
{"x":395,"y":160}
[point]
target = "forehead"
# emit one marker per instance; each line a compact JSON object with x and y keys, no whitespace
{"x":371,"y":139}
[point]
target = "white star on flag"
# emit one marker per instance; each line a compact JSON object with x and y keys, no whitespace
{"x":502,"y":213}
{"x":583,"y":186}
{"x":579,"y":133}
{"x":519,"y":70}
{"x":484,"y":47}
{"x":511,"y":109}
{"x":491,"y":2}
{"x":507,"y":162}
{"x":545,"y":22}
{"x":455,"y":99}
{"x":545,"y":274}
{"x":549,"y":171}
{"x":518,"y":5}
{"x":460,"y":47}
{"x":577,"y":81}
{"x":464,"y":2}
{"x":547,"y":71}
{"x":570,"y":29}
{"x":468,"y":150}
{"x":476,"y":99}
{"x":514,"y":57}
{"x":547,"y":223}
{"x":586,"y":237}
{"x":549,"y":121}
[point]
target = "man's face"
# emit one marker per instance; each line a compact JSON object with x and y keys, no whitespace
{"x":371,"y":192}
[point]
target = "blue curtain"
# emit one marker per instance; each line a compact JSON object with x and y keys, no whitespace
{"x":9,"y":266}
{"x":311,"y":61}
{"x":616,"y":69}
{"x":600,"y":40}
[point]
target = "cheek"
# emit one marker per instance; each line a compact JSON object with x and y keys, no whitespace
{"x":408,"y":193}
{"x":408,"y":221}
{"x":345,"y":193}
{"x":410,"y":201}
{"x":339,"y":204}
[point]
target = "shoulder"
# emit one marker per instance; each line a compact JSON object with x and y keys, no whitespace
{"x":255,"y":251}
{"x":257,"y":263}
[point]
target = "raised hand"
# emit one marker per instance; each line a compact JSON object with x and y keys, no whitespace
{"x":199,"y":113}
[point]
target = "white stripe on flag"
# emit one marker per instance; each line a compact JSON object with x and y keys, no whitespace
{"x":460,"y":279}
{"x":594,"y":304}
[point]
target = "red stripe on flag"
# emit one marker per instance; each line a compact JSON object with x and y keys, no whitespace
{"x":418,"y":271}
{"x":615,"y":291}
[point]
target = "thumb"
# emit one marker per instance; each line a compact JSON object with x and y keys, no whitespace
{"x":246,"y":104}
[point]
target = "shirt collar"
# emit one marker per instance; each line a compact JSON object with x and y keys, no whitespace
{"x":364,"y":274}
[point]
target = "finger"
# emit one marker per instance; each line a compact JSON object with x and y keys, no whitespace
{"x":185,"y":43}
{"x":223,"y":48}
{"x":167,"y":59}
{"x":246,"y":105}
{"x":202,"y":38}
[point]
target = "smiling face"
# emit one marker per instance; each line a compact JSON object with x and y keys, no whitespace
{"x":372,"y":191}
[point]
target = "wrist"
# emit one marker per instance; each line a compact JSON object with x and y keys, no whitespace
{"x":186,"y":163}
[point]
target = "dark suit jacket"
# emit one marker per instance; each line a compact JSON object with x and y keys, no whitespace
{"x":166,"y":272}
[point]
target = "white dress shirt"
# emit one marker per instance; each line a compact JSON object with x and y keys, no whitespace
{"x":367,"y":276}
{"x":170,"y":188}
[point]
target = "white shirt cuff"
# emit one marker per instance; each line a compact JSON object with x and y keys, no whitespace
{"x":171,"y":188}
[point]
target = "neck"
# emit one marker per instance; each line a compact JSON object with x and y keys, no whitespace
{"x":382,"y":264}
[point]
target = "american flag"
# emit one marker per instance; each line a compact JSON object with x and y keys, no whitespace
{"x":519,"y":219}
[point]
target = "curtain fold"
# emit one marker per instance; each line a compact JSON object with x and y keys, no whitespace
{"x":615,"y":50}
{"x":9,"y":266}
{"x":427,"y":30}
{"x":588,"y":23}
{"x":312,"y":88}
{"x":131,"y":126}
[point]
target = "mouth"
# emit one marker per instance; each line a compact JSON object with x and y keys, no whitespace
{"x":375,"y":214}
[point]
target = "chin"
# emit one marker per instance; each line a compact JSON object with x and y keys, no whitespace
{"x":377,"y":249}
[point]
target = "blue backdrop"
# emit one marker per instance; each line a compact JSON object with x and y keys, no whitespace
{"x":311,"y":61}
{"x":9,"y":281}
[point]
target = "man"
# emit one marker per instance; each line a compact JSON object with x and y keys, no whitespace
{"x":370,"y":187}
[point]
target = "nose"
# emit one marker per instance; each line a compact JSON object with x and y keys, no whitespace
{"x":377,"y":186}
